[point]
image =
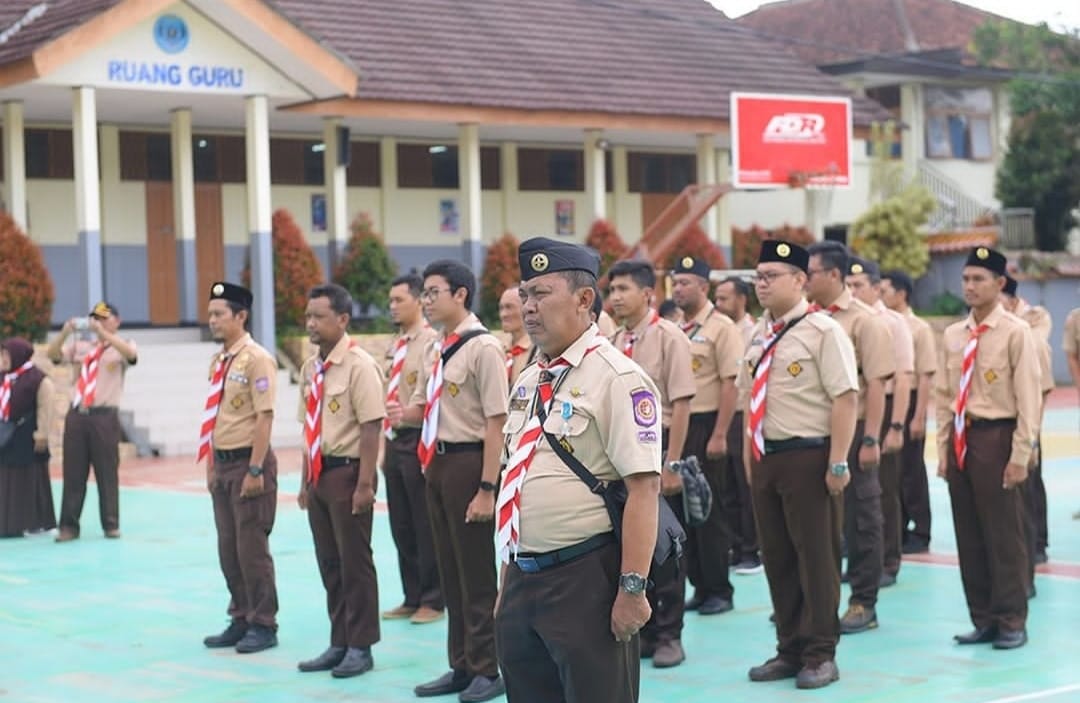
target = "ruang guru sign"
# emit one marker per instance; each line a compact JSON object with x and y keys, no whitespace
{"x":780,"y":139}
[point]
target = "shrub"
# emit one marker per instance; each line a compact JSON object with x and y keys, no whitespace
{"x":746,"y":243}
{"x":366,"y":269}
{"x":296,"y":271}
{"x":888,"y":232}
{"x":605,"y":239}
{"x":501,"y":271}
{"x":26,"y":289}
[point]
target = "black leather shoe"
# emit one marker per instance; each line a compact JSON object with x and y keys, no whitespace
{"x":450,"y":682}
{"x":818,"y":676}
{"x":714,"y":605}
{"x":695,"y":602}
{"x":229,"y":637}
{"x":1010,"y":639}
{"x":258,"y":638}
{"x":483,"y":688}
{"x":774,"y":670}
{"x":915,"y":545}
{"x":357,"y":661}
{"x":1041,"y":558}
{"x":325,"y":661}
{"x":980,"y":635}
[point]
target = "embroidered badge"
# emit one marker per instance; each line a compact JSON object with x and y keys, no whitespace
{"x":644,"y":408}
{"x":566,"y":444}
{"x":238,"y":402}
{"x":856,"y":268}
{"x":576,"y":392}
{"x":411,"y":378}
{"x":238,"y":378}
{"x":695,"y":364}
{"x":519,"y":404}
{"x":983,"y":253}
{"x":646,"y":437}
{"x":521,"y":393}
{"x":990,"y":376}
{"x":333,"y":405}
{"x":687,"y":262}
{"x":783,"y":250}
{"x":539,"y":263}
{"x":218,"y":289}
{"x":262,"y":384}
{"x":452,"y":389}
{"x":794,"y":368}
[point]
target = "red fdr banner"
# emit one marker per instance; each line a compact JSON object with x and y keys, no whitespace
{"x":777,"y":139}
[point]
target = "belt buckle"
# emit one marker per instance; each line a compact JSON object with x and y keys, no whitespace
{"x":527,"y":564}
{"x":440,"y":447}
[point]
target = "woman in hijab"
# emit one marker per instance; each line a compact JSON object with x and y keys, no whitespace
{"x":26,"y":504}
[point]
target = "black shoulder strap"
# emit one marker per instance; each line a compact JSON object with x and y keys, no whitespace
{"x":776,"y":340}
{"x":453,"y":349}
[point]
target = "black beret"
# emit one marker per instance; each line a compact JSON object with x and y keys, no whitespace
{"x":988,"y":259}
{"x":1010,"y":286}
{"x":103,"y":310}
{"x":689,"y":264}
{"x":540,"y":255}
{"x":857,"y":266}
{"x":231,"y":292}
{"x":785,"y":253}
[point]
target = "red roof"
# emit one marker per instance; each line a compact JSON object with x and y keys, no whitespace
{"x":37,"y":28}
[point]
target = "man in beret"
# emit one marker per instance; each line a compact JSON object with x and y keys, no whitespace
{"x":987,"y":393}
{"x":241,"y":469}
{"x":573,"y":599}
{"x":99,"y":358}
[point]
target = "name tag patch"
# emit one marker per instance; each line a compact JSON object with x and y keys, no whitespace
{"x":238,"y":378}
{"x":646,"y":437}
{"x":521,"y":404}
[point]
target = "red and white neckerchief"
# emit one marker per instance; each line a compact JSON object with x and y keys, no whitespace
{"x":508,"y":505}
{"x":831,"y":310}
{"x":5,"y":389}
{"x":86,"y":387}
{"x":401,"y":349}
{"x":758,"y":391}
{"x":959,"y":427}
{"x":429,"y":432}
{"x":631,"y":337}
{"x":213,"y":403}
{"x":313,"y":421}
{"x":511,"y":354}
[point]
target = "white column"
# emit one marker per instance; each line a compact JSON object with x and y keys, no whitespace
{"x":509,"y":169}
{"x":595,"y":176}
{"x":87,"y":194}
{"x":337,"y":215}
{"x":260,"y":216}
{"x":723,"y":205}
{"x":14,"y":163}
{"x":472,"y":224}
{"x":183,"y":181}
{"x":913,"y":137}
{"x":706,"y":176}
{"x":620,"y":186}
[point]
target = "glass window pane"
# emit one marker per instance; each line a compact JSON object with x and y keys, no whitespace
{"x":981,"y":145}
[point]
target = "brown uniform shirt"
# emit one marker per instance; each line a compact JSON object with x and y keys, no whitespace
{"x":1004,"y":382}
{"x":814,"y":362}
{"x":250,"y":389}
{"x":111,"y":369}
{"x":746,"y":326}
{"x":516,"y":364}
{"x":353,"y":394}
{"x":474,"y":385}
{"x":613,"y":430}
{"x":45,"y":393}
{"x":716,"y":348}
{"x":607,"y":326}
{"x":1070,"y":342}
{"x":663,"y":351}
{"x":1038,"y":318}
{"x":872,"y":339}
{"x":922,"y":334}
{"x":903,"y":344}
{"x":420,"y":337}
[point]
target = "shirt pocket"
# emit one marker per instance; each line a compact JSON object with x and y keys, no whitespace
{"x":791,"y":367}
{"x":335,"y":394}
{"x":700,"y":352}
{"x":454,"y":379}
{"x":574,"y":426}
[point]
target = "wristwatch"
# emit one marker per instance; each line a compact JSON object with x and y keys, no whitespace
{"x":869,"y":441}
{"x":255,"y":471}
{"x":674,"y":466}
{"x":632,"y":583}
{"x":487,"y":486}
{"x":898,"y":426}
{"x":839,"y":468}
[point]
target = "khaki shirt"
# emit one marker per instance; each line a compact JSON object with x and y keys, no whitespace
{"x":607,"y":326}
{"x":746,"y":326}
{"x":613,"y":431}
{"x":250,"y":389}
{"x":1070,"y":342}
{"x":716,"y":348}
{"x":420,"y":337}
{"x":663,"y":351}
{"x":46,"y":392}
{"x":516,"y":364}
{"x":110,"y":375}
{"x":1038,"y":318}
{"x":474,"y":385}
{"x":922,"y":334}
{"x":872,"y":339}
{"x":1004,"y":382}
{"x":814,"y":363}
{"x":353,"y":395}
{"x":903,"y":344}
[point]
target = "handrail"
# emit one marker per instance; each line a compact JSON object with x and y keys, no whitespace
{"x":955,"y":207}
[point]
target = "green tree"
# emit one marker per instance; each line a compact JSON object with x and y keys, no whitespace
{"x":366,"y":269}
{"x":500,"y":272}
{"x":888,"y":232}
{"x":296,"y":271}
{"x":26,"y":289}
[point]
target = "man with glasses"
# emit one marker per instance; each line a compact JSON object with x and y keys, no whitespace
{"x":800,"y":375}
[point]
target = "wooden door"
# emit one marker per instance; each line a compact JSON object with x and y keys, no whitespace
{"x":209,"y":242}
{"x":161,"y":254}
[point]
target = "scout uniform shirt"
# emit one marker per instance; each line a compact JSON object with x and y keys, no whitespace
{"x":1004,"y":381}
{"x":814,"y":363}
{"x":612,"y":430}
{"x":420,"y":336}
{"x":607,"y":326}
{"x":1038,"y":318}
{"x":746,"y":326}
{"x":521,"y":360}
{"x":922,"y":335}
{"x":250,"y":387}
{"x":873,"y":342}
{"x":663,"y":351}
{"x":903,"y":344}
{"x":474,"y":385}
{"x":716,"y":349}
{"x":110,"y":374}
{"x":1070,"y":339}
{"x":352,"y":395}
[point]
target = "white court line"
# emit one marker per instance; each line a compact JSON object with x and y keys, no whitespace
{"x":1037,"y":694}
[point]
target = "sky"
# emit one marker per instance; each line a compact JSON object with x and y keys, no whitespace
{"x":1056,"y":13}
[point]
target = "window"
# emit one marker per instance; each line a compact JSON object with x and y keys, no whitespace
{"x":888,"y":96}
{"x":365,"y":165}
{"x":49,"y":154}
{"x":958,"y":123}
{"x":660,"y":173}
{"x":551,"y":169}
{"x":436,"y":166}
{"x":296,"y":162}
{"x":219,"y":159}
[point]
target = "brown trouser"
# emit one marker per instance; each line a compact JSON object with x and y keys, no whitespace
{"x":667,"y":595}
{"x":409,"y":524}
{"x":243,"y":531}
{"x":989,"y":524}
{"x":1035,"y":506}
{"x":889,"y":473}
{"x":466,"y":557}
{"x":707,"y":545}
{"x":739,"y":509}
{"x":343,"y":550}
{"x":799,"y":533}
{"x":862,"y":527}
{"x":915,"y":493}
{"x":91,"y":439}
{"x":553,"y":632}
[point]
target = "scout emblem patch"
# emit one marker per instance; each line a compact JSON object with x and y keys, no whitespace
{"x":794,"y":368}
{"x":411,"y":378}
{"x":856,"y":268}
{"x":334,"y":405}
{"x":687,"y":262}
{"x":983,"y":253}
{"x":539,"y":263}
{"x":238,"y":402}
{"x":452,"y":389}
{"x":218,"y":289}
{"x":990,"y":376}
{"x":783,"y":250}
{"x":644,"y":408}
{"x":695,"y":364}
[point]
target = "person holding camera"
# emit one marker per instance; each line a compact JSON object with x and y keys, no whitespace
{"x":92,"y":430}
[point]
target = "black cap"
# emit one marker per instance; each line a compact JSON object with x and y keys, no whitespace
{"x":988,"y":259}
{"x":231,"y":292}
{"x":103,"y":310}
{"x":1010,"y":286}
{"x":689,"y":264}
{"x":540,"y":255}
{"x":785,"y":253}
{"x":857,"y":266}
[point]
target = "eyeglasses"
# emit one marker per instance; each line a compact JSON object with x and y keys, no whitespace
{"x":432,"y":293}
{"x":767,"y":277}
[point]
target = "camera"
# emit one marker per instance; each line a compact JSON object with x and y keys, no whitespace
{"x":82,"y":323}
